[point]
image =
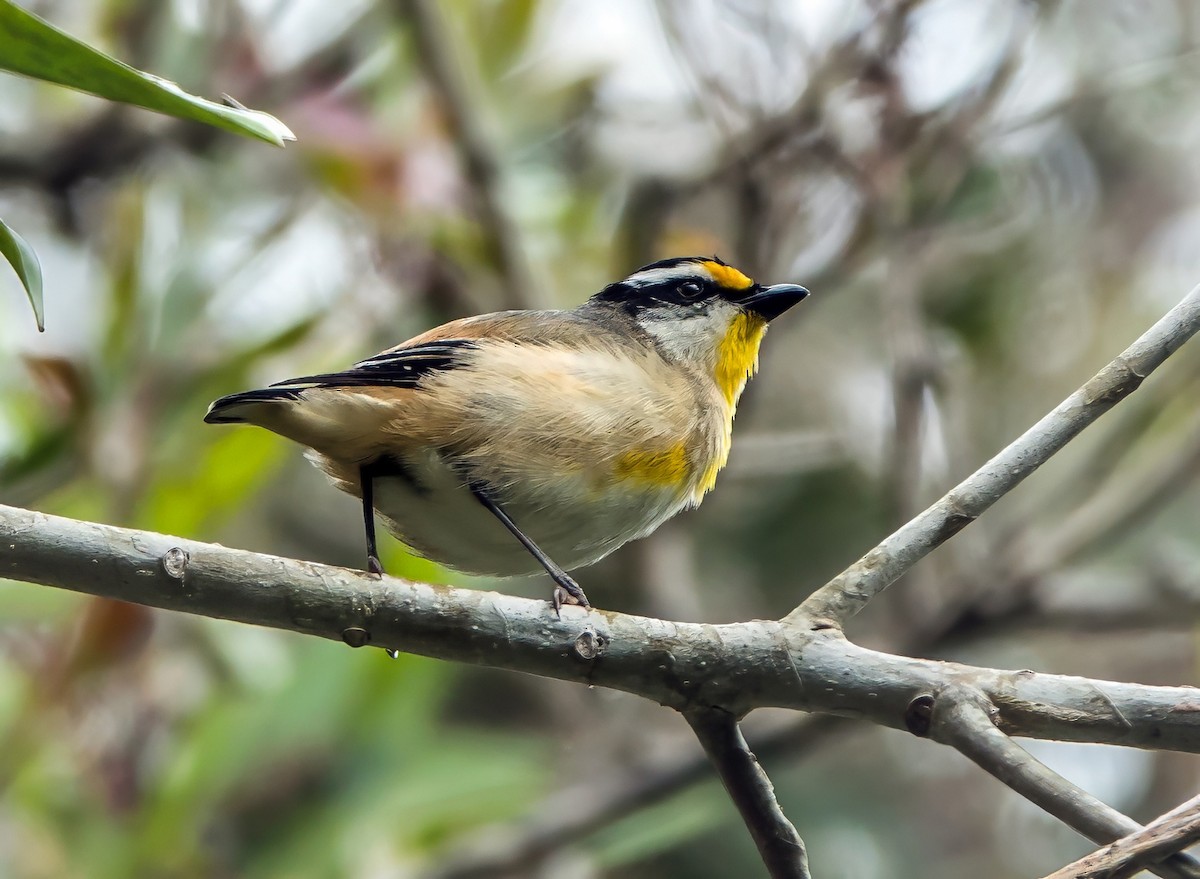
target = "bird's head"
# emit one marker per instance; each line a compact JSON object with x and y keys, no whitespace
{"x":703,"y":312}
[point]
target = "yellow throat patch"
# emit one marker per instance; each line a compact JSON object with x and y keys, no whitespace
{"x":737,"y":359}
{"x":737,"y":354}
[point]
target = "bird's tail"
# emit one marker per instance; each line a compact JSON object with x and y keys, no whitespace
{"x":242,"y":408}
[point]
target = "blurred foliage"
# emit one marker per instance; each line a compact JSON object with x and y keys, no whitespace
{"x":989,"y":200}
{"x":35,"y":48}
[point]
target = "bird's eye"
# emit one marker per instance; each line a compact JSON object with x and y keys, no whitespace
{"x":690,"y":290}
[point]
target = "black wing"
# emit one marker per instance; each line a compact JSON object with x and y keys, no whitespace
{"x":399,"y":369}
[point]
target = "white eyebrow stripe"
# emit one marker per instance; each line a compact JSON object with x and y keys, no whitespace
{"x":672,"y":273}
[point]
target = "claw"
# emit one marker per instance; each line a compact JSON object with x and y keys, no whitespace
{"x":374,"y":566}
{"x":567,"y":591}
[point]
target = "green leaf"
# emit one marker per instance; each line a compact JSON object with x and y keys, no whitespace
{"x":25,"y":263}
{"x":35,"y":48}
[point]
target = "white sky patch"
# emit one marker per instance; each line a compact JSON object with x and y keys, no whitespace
{"x":1043,"y":79}
{"x":647,"y":126}
{"x":951,"y":43}
{"x":288,"y":31}
{"x":581,"y":37}
{"x":300,"y":273}
{"x":1119,"y":776}
{"x":1171,"y":265}
{"x":190,"y":14}
{"x":817,"y":23}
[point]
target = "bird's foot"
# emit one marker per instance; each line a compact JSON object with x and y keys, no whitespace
{"x":567,"y":591}
{"x":374,"y":566}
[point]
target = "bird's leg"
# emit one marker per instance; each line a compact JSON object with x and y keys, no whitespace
{"x":366,"y":478}
{"x":566,"y":590}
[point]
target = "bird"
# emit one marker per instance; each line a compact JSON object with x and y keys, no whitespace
{"x":515,"y":441}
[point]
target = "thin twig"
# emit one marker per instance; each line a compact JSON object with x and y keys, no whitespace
{"x":779,"y":845}
{"x":442,"y":64}
{"x":1129,"y":855}
{"x":849,"y":592}
{"x":963,"y":723}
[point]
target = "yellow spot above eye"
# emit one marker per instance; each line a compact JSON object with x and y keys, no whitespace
{"x":662,"y":467}
{"x":737,"y":354}
{"x":727,"y":276}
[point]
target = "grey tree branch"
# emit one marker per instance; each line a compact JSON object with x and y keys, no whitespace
{"x":778,"y":844}
{"x":441,"y":64}
{"x":961,"y":720}
{"x":687,"y":666}
{"x":849,"y":592}
{"x":1129,"y":855}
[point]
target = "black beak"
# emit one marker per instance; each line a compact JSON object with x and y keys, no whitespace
{"x":770,"y":302}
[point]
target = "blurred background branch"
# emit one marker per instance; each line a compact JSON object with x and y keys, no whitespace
{"x":444,"y":66}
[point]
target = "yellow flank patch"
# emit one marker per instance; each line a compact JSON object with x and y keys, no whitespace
{"x":737,"y":354}
{"x":666,"y":467}
{"x":709,"y":478}
{"x":727,"y":276}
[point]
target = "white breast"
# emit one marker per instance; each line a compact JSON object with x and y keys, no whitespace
{"x":441,"y":519}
